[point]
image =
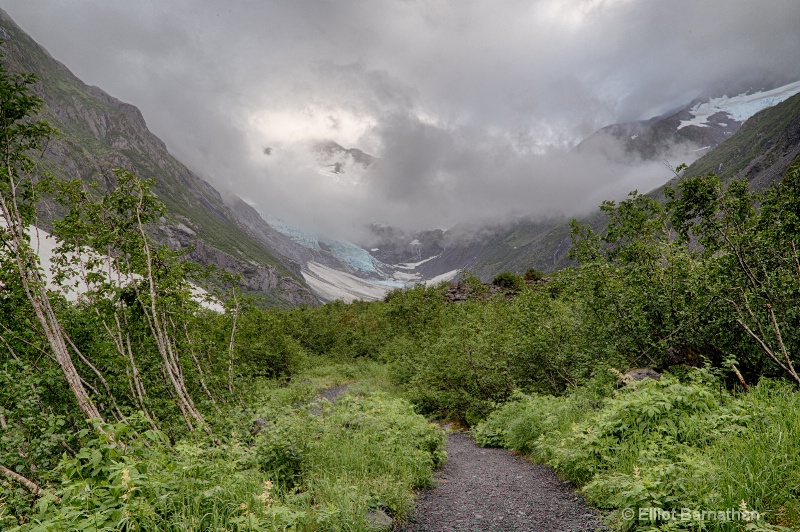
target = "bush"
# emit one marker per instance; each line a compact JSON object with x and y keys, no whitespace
{"x":532,"y":274}
{"x":509,"y":281}
{"x":303,"y":471}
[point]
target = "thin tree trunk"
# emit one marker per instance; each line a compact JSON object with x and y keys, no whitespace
{"x":234,"y":316}
{"x":37,"y":295}
{"x":200,"y":372}
{"x":99,"y":375}
{"x":158,"y":328}
{"x":28,"y":484}
{"x":10,"y":349}
{"x":740,"y":377}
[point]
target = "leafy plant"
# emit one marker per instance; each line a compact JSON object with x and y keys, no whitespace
{"x":509,"y":281}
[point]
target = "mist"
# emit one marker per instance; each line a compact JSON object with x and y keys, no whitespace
{"x":472,"y":108}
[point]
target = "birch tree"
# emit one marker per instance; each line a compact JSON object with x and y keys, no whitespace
{"x":22,"y":140}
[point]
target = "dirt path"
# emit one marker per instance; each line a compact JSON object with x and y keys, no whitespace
{"x":488,"y":490}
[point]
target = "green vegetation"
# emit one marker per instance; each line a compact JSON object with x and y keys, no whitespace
{"x":303,"y":470}
{"x":532,"y":274}
{"x":678,"y":442}
{"x":134,"y":407}
{"x":509,"y":281}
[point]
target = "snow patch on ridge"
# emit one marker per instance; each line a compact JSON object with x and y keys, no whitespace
{"x":406,"y":277}
{"x":740,"y":107}
{"x":413,"y":265}
{"x":449,"y":276}
{"x":44,"y":244}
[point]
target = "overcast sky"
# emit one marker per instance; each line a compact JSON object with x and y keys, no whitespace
{"x":471,"y":105}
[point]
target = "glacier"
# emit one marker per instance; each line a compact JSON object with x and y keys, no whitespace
{"x":739,"y":107}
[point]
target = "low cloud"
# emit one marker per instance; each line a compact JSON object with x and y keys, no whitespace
{"x":435,"y":176}
{"x":472,"y":107}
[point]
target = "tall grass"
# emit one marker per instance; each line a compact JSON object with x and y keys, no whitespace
{"x":309,"y":468}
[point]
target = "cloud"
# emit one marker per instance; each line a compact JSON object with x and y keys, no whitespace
{"x":472,"y":106}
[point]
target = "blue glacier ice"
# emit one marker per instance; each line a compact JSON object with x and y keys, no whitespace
{"x":347,"y":252}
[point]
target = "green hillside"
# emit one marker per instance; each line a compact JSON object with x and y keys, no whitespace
{"x":763,"y":148}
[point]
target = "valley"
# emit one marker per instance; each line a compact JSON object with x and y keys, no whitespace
{"x":175,"y":356}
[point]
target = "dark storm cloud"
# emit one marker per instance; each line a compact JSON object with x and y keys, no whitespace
{"x":471,"y":105}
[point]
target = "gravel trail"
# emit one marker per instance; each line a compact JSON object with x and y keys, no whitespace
{"x":493,"y":490}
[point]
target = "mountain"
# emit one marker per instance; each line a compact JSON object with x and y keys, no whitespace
{"x":98,"y":133}
{"x":755,"y":133}
{"x":335,"y":160}
{"x":762,"y":149}
{"x":696,"y":127}
{"x":334,"y":269}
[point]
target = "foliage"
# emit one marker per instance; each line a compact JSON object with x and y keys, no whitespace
{"x":304,"y":471}
{"x":667,"y":444}
{"x":532,"y":274}
{"x":509,"y":281}
{"x":712,"y":271}
{"x":750,"y":242}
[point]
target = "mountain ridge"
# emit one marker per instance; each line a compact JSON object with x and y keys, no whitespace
{"x":763,"y":147}
{"x":98,"y":132}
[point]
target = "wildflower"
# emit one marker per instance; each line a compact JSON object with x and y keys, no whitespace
{"x":126,"y":481}
{"x":264,"y":497}
{"x":747,"y":515}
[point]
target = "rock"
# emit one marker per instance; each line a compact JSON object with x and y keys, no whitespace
{"x":640,"y":374}
{"x":378,"y":520}
{"x":259,"y":426}
{"x":636,"y":375}
{"x":685,"y":355}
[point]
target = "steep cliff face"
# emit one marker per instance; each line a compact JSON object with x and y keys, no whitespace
{"x":98,"y":133}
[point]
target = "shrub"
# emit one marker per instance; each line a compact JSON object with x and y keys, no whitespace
{"x":532,"y":274}
{"x":669,"y":444}
{"x":509,"y":281}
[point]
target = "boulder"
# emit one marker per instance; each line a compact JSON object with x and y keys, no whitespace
{"x":636,"y":375}
{"x":259,"y":426}
{"x":640,"y":374}
{"x":378,"y":520}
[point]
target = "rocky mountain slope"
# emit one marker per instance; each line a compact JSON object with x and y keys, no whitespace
{"x":97,"y":133}
{"x":761,"y":151}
